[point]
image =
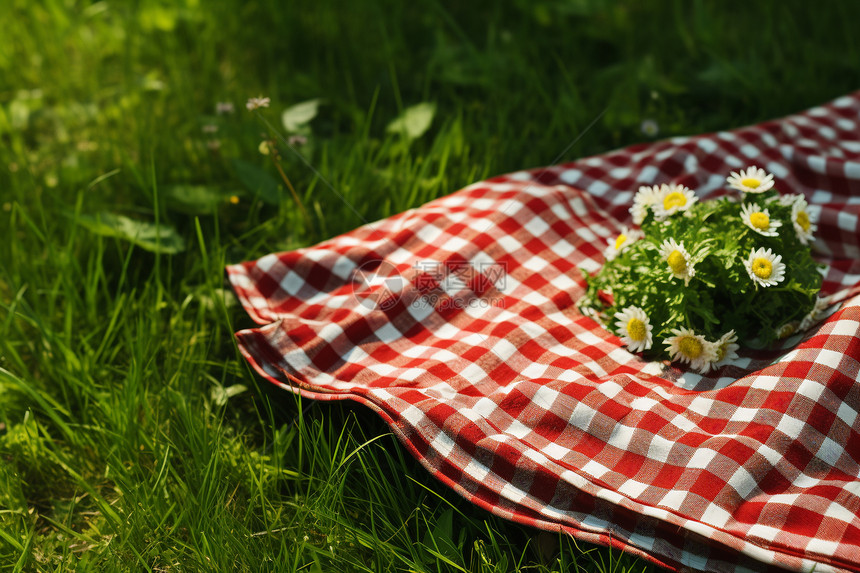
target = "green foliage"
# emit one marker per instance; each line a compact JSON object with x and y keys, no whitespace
{"x":154,"y":237}
{"x":258,"y":182}
{"x":296,"y":117}
{"x":125,"y":441}
{"x":414,"y":121}
{"x":197,"y":199}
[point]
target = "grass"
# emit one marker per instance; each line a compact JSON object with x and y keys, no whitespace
{"x":132,"y":434}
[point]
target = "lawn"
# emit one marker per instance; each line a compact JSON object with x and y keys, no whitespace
{"x":133,"y":436}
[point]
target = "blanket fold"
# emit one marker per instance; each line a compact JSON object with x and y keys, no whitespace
{"x":456,"y":322}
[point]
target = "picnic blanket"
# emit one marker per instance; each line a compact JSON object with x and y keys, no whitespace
{"x":456,"y":322}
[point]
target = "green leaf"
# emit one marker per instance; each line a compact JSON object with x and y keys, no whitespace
{"x":220,"y":394}
{"x":157,"y":238}
{"x":294,"y":117}
{"x":440,"y":539}
{"x":195,"y":199}
{"x":161,"y":18}
{"x":19,"y":114}
{"x":414,"y":121}
{"x":258,"y":182}
{"x":220,"y":298}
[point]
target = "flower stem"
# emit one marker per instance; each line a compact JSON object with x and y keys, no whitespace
{"x":274,"y":155}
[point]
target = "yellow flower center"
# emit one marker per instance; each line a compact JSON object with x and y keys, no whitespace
{"x":750,"y":182}
{"x":762,"y":268}
{"x":721,"y":351}
{"x":677,"y":262}
{"x":674,"y":199}
{"x":636,"y":329}
{"x":760,"y":221}
{"x":803,"y":220}
{"x":622,"y":238}
{"x":690,"y":347}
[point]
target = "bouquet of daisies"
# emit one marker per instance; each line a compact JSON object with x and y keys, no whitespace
{"x":700,"y":278}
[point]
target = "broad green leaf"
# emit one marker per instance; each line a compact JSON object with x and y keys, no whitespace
{"x":160,"y":18}
{"x":195,"y":199}
{"x":258,"y":182}
{"x":294,"y":117}
{"x":158,"y":238}
{"x":19,"y":113}
{"x":220,"y":394}
{"x":414,"y":121}
{"x":220,"y":297}
{"x":439,"y":540}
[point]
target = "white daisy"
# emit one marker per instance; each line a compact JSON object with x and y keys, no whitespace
{"x":626,"y":238}
{"x":726,"y":349}
{"x":788,"y":200}
{"x":589,"y":312}
{"x":691,"y":348}
{"x":804,"y":224}
{"x":649,"y":127}
{"x":815,"y":314}
{"x":644,"y":198}
{"x":224,"y":107}
{"x":678,"y":259}
{"x":673,"y":199}
{"x":634,"y":328}
{"x":751,"y":180}
{"x":765,"y":268}
{"x":257,"y":102}
{"x":759,"y":220}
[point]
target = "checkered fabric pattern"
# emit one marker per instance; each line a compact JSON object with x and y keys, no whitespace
{"x":456,"y":322}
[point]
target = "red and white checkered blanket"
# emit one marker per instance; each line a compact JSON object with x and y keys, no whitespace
{"x":456,"y":322}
